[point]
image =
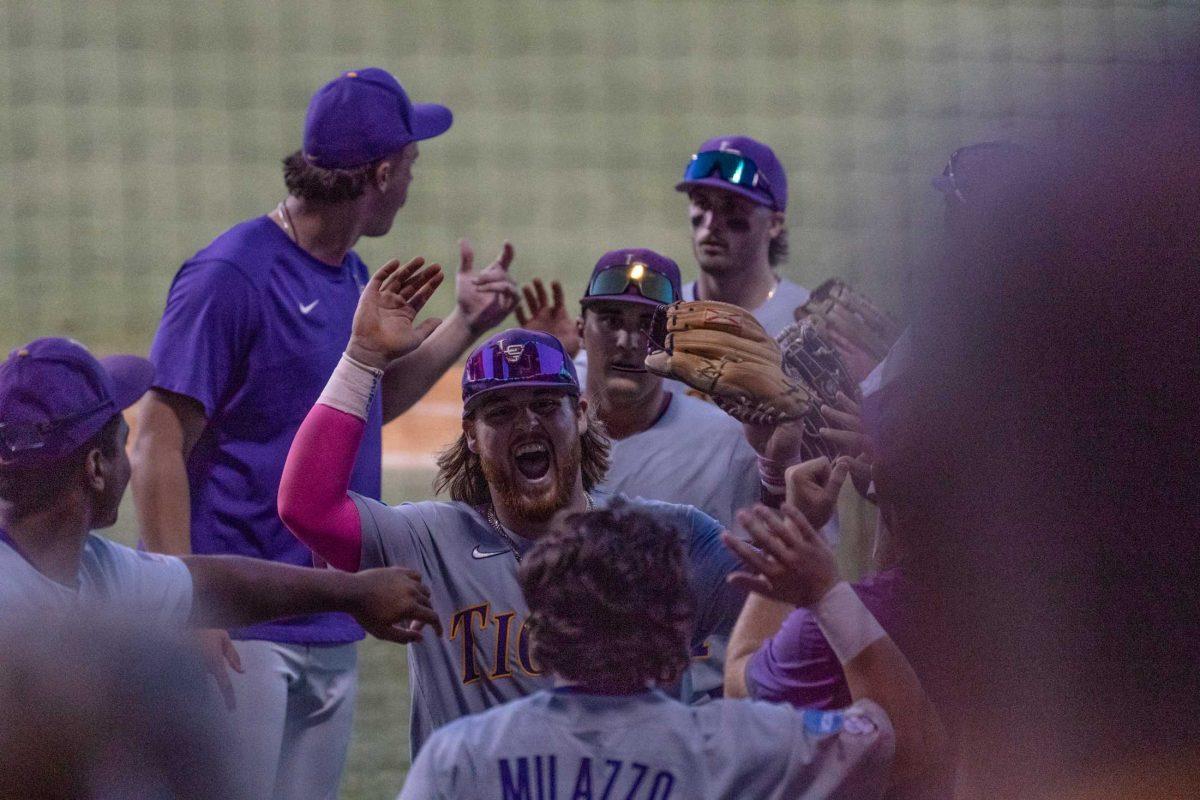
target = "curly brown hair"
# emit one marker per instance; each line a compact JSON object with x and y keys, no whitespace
{"x":610,"y":604}
{"x":319,"y":185}
{"x":460,"y":472}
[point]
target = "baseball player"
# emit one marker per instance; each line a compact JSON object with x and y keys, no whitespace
{"x":605,"y":730}
{"x":737,"y":200}
{"x":665,"y":446}
{"x":253,"y":326}
{"x":63,"y":471}
{"x":530,"y":453}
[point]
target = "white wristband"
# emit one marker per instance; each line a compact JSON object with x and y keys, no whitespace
{"x":847,"y":624}
{"x":351,"y":387}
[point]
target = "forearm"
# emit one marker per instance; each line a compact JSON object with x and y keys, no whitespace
{"x":760,"y":619}
{"x":313,"y":499}
{"x":880,"y":672}
{"x":410,"y":377}
{"x":233,"y":591}
{"x":162,"y":498}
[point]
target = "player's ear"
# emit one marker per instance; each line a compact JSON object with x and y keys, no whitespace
{"x":383,"y":174}
{"x":469,"y":434}
{"x":778,"y":223}
{"x":95,"y":470}
{"x":579,"y":327}
{"x":581,"y":416}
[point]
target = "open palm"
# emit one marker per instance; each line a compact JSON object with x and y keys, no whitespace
{"x":385,"y":325}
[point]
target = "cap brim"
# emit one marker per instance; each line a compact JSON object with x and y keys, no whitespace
{"x":132,"y":377}
{"x":762,"y":198}
{"x":429,"y":120}
{"x":473,"y":403}
{"x":628,"y":297}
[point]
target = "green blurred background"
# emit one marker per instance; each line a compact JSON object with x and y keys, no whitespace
{"x":133,"y":132}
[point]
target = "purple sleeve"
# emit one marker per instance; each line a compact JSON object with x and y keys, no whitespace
{"x":797,"y":666}
{"x":206,"y":330}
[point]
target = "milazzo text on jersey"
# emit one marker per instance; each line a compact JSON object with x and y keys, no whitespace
{"x":553,"y":777}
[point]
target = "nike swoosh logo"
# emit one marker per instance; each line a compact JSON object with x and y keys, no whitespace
{"x":479,"y":552}
{"x":307,"y":307}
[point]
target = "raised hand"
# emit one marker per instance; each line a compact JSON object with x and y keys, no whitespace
{"x":847,"y":435}
{"x":813,"y":487}
{"x":791,"y":563}
{"x":391,"y":603}
{"x":385,"y":322}
{"x":547,"y":317}
{"x":484,"y":298}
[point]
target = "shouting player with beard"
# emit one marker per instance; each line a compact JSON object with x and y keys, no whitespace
{"x":530,"y":454}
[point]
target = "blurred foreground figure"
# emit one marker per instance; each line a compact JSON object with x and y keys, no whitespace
{"x":93,"y":710}
{"x":1044,"y":452}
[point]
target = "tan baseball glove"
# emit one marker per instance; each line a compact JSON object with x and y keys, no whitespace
{"x":722,"y":350}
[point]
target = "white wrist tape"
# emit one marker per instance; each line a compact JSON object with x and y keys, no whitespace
{"x":351,"y":387}
{"x":847,"y":624}
{"x":771,"y":474}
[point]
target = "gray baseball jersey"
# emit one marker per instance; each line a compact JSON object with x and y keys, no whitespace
{"x":780,"y":309}
{"x":569,"y":745}
{"x":112,"y":578}
{"x":484,"y":658}
{"x":695,"y":454}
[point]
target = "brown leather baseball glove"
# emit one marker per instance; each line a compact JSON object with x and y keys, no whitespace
{"x":848,"y":320}
{"x":722,"y":350}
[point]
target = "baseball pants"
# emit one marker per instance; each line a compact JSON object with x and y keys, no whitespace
{"x":294,"y":716}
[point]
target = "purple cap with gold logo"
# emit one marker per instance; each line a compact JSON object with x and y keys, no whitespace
{"x":517,"y":358}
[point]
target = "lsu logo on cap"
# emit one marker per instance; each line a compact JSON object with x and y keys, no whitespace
{"x":512,"y":352}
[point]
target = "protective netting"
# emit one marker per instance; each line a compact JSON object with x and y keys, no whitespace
{"x":133,"y":131}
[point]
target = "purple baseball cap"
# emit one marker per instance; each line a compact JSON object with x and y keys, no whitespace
{"x":55,"y":395}
{"x":517,"y":358}
{"x":364,"y":115}
{"x":634,"y":275}
{"x":765,"y":184}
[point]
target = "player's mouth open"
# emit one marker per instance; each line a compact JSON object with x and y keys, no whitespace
{"x":532,"y":460}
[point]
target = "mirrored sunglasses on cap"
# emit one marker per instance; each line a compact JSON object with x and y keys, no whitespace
{"x":732,"y":167}
{"x":615,"y":280}
{"x":523,"y":363}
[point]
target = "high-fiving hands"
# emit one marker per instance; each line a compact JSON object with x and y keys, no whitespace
{"x":788,"y":562}
{"x":486,"y":297}
{"x":385,"y":326}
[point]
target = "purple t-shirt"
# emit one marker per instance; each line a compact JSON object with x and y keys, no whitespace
{"x":798,"y":666}
{"x":252,"y":329}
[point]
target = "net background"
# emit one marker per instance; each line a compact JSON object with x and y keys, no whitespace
{"x":132,"y":132}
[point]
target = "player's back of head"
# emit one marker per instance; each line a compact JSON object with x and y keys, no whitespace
{"x":609,"y":599}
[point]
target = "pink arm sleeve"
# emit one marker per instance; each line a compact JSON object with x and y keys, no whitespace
{"x":312,"y":493}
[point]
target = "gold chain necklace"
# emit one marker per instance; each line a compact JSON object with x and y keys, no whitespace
{"x":494,"y":521}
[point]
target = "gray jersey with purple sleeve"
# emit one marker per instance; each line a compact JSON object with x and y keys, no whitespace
{"x":484,"y":660}
{"x":566,"y":744}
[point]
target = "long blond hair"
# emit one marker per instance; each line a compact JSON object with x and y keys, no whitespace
{"x":461,"y":473}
